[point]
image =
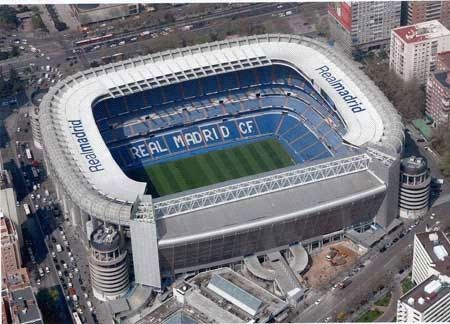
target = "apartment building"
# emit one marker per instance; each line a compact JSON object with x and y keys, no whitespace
{"x":420,"y":11}
{"x":429,"y":300}
{"x":359,"y":27}
{"x":11,"y":259}
{"x":438,"y":92}
{"x":414,"y":49}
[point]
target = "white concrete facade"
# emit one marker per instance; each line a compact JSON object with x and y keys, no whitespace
{"x":414,"y":48}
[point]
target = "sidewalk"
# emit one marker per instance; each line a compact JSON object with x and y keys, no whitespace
{"x":390,"y":311}
{"x":47,"y":20}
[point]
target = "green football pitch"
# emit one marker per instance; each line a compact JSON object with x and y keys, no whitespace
{"x":213,"y":167}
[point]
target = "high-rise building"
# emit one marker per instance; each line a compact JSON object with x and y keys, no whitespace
{"x":429,"y":300}
{"x":359,"y":27}
{"x":420,"y":11}
{"x":11,"y":260}
{"x":414,"y":49}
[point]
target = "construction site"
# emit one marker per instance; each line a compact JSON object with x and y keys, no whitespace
{"x":328,"y":262}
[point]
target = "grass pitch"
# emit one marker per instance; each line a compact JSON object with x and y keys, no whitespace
{"x":213,"y":167}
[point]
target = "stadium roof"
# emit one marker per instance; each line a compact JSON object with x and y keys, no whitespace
{"x":83,"y":163}
{"x":276,"y":207}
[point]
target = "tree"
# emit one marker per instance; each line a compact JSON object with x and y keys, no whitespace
{"x":323,"y":27}
{"x":445,"y":164}
{"x":8,"y":18}
{"x":407,"y":97}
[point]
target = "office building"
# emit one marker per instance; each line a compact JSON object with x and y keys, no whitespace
{"x":359,"y":27}
{"x":420,"y":11}
{"x":414,"y":49}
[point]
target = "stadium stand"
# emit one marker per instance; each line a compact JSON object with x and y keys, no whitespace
{"x":201,"y":115}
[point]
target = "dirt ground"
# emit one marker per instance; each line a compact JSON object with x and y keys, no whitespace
{"x":322,"y":272}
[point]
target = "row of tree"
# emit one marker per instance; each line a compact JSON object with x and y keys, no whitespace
{"x":441,"y":143}
{"x":8,"y":18}
{"x":408,"y":97}
{"x":4,"y":55}
{"x":11,"y":86}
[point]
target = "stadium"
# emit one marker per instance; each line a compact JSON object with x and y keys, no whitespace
{"x":203,"y":155}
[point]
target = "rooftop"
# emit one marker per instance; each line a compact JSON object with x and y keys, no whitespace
{"x":421,"y":31}
{"x":426,"y":294}
{"x":234,"y":294}
{"x":438,"y":248}
{"x":25,"y":307}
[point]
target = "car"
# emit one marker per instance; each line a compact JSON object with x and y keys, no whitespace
{"x":38,"y":282}
{"x":53,"y":254}
{"x":395,"y":240}
{"x":317,"y":302}
{"x":71,"y":275}
{"x":76,"y":270}
{"x":383,"y":249}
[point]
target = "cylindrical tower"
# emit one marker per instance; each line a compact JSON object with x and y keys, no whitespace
{"x":414,"y":187}
{"x":108,"y":264}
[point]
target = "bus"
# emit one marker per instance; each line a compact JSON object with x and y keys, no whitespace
{"x":28,"y":153}
{"x":76,"y":318}
{"x":93,"y":40}
{"x":27,"y":209}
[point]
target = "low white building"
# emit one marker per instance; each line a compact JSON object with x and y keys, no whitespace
{"x":429,"y":301}
{"x":414,"y":48}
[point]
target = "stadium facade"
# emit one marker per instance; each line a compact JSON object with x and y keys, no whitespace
{"x":344,"y":136}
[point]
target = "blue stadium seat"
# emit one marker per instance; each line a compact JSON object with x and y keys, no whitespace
{"x":314,"y":151}
{"x":295,"y":133}
{"x":102,"y":125}
{"x":154,"y":97}
{"x":209,"y":85}
{"x":100,"y":111}
{"x":287,"y":123}
{"x":190,"y":89}
{"x":251,"y":105}
{"x":268,"y":123}
{"x":246,"y":78}
{"x":116,"y":106}
{"x":228,"y":81}
{"x":264,"y":75}
{"x":135,"y":101}
{"x":172,"y":92}
{"x":233,"y":108}
{"x":140,"y":128}
{"x":108,"y":136}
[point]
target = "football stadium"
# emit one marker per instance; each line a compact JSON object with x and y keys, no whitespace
{"x":204,"y":155}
